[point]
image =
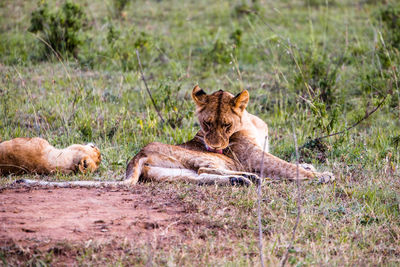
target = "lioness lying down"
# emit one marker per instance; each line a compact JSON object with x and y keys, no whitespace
{"x":36,"y":155}
{"x":227,"y":150}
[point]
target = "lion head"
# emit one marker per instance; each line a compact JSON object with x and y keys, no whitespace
{"x":87,"y":158}
{"x":220,"y":115}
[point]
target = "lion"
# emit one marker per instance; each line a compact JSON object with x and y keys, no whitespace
{"x":231,"y":148}
{"x":228,"y":149}
{"x":36,"y":155}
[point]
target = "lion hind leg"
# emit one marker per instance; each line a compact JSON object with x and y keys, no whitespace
{"x":190,"y":176}
{"x":134,"y":170}
{"x":248,"y":175}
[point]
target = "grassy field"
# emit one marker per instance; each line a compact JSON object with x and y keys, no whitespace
{"x":318,"y":66}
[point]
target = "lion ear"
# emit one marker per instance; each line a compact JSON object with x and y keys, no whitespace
{"x":198,"y":95}
{"x":240,"y":100}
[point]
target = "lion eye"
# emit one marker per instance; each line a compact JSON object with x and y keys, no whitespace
{"x":227,"y":126}
{"x":207,"y":124}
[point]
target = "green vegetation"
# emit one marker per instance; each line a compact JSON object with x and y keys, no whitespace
{"x":317,"y":65}
{"x":59,"y":30}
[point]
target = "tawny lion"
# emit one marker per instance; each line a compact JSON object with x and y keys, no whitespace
{"x":228,"y":149}
{"x":36,"y":155}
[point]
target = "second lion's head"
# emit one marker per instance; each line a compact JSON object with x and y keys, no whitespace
{"x":219,"y":115}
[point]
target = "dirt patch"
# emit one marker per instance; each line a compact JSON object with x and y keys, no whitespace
{"x":150,"y":222}
{"x":42,"y":217}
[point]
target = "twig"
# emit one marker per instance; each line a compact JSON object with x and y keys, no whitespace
{"x":147,"y":88}
{"x":260,"y":232}
{"x":367,"y":115}
{"x":298,"y":201}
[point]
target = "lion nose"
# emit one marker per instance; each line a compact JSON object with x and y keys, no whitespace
{"x":215,"y":143}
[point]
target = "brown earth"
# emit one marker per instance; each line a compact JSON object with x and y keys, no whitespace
{"x":78,"y":226}
{"x":40,"y":219}
{"x":44,"y":216}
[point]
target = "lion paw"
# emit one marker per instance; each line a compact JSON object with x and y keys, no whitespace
{"x":239,"y":181}
{"x":308,"y":167}
{"x":252,"y":177}
{"x":326,"y":177}
{"x":21,"y":181}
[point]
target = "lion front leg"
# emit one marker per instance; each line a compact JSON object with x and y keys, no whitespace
{"x":276,"y":168}
{"x":162,"y":174}
{"x":254,"y":159}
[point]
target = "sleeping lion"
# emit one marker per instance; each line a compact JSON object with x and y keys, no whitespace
{"x":36,"y":155}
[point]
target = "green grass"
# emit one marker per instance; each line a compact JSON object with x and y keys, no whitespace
{"x":284,"y":45}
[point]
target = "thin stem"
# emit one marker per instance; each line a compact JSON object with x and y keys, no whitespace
{"x":298,"y":201}
{"x":147,"y":88}
{"x":259,"y":195}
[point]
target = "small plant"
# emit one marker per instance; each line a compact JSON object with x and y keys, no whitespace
{"x":236,"y":37}
{"x":113,"y":34}
{"x":244,"y":8}
{"x":373,"y":83}
{"x":122,"y":46}
{"x":86,"y":130}
{"x":389,"y":15}
{"x":318,"y":77}
{"x":221,"y":52}
{"x":171,"y":105}
{"x":325,"y":120}
{"x":142,"y":41}
{"x":119,"y":6}
{"x":316,"y":83}
{"x":60,"y":30}
{"x":4,"y":110}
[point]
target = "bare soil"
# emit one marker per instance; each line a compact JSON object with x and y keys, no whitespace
{"x":40,"y":218}
{"x":150,"y":222}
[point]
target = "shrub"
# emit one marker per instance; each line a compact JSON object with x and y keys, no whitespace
{"x":220,"y":53}
{"x":319,"y":73}
{"x":389,"y":15}
{"x":316,"y":82}
{"x":61,"y":30}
